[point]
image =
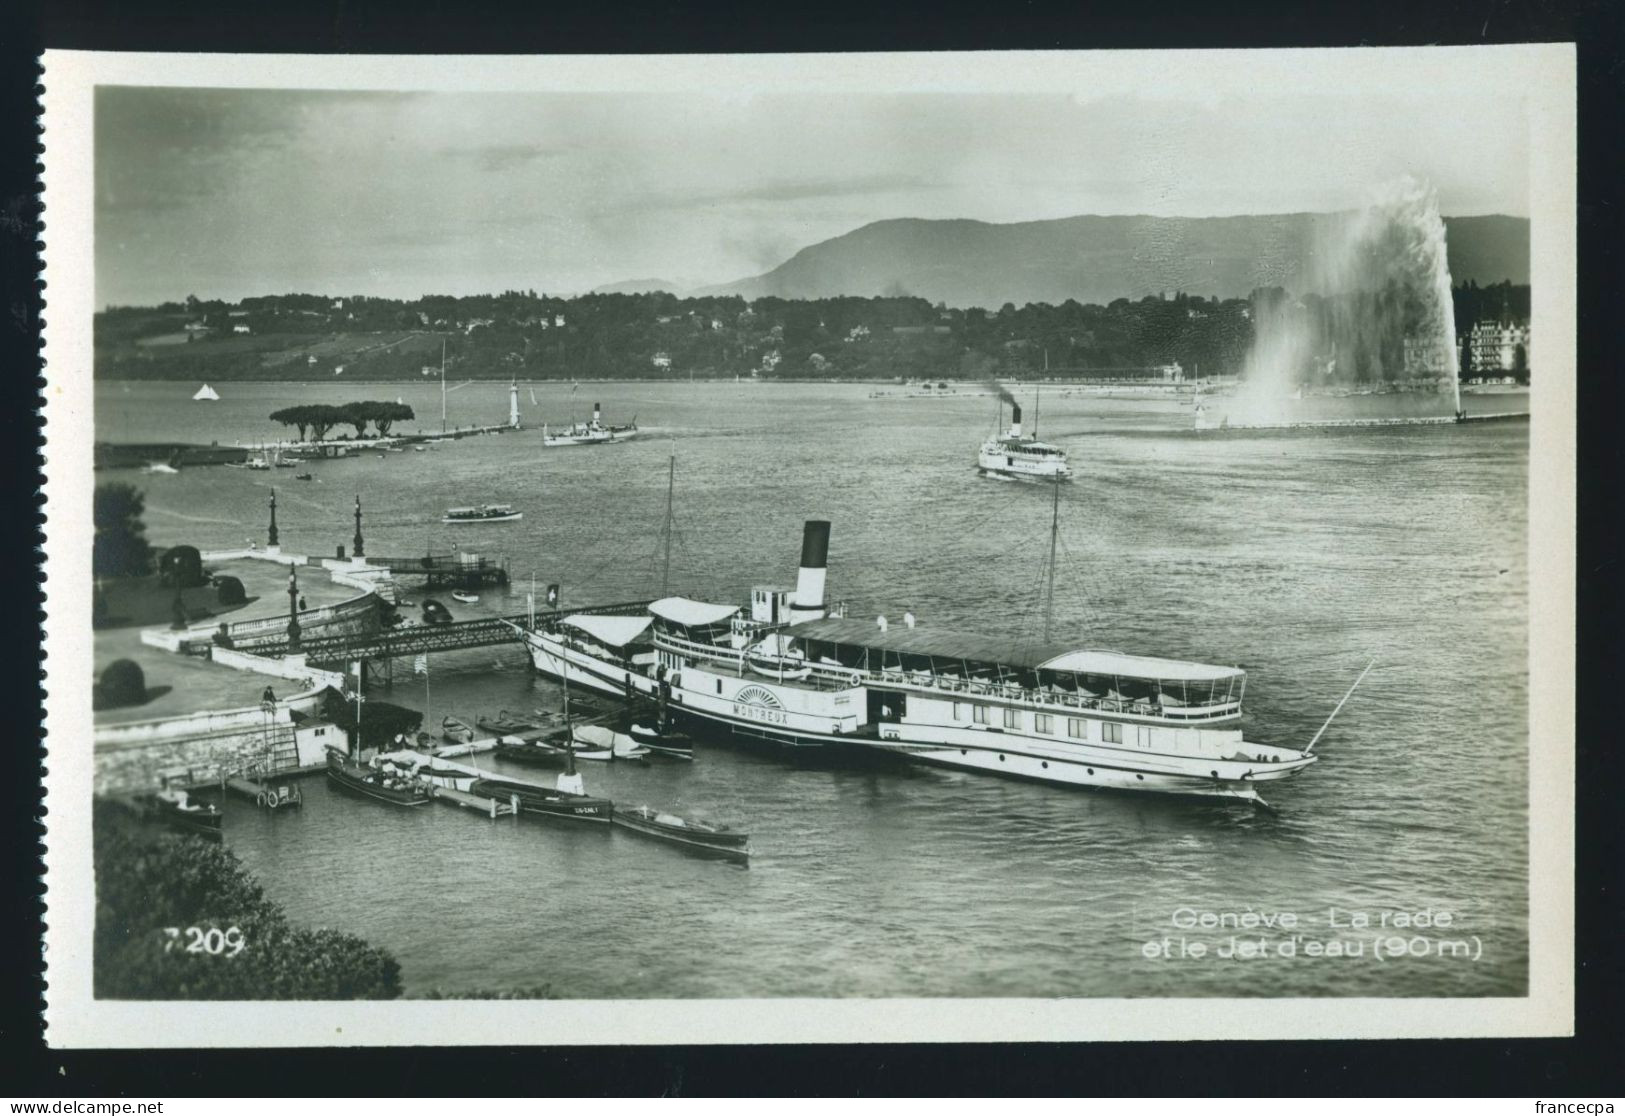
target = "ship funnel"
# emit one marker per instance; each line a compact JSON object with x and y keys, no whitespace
{"x":596,"y":412}
{"x":809,"y":598}
{"x":1015,"y":420}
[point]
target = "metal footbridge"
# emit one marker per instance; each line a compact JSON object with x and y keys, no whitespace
{"x":410,"y":640}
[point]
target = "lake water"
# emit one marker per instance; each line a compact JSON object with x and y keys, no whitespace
{"x":1298,"y":555}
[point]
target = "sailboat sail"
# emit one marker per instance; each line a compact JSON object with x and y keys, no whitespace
{"x":206,"y":392}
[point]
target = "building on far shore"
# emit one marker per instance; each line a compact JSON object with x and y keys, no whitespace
{"x":1494,"y":347}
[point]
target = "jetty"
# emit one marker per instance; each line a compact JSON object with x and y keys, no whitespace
{"x":1221,"y":427}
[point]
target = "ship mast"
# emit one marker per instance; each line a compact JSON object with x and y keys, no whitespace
{"x":671,"y":485}
{"x":442,"y":385}
{"x":1054,"y":537}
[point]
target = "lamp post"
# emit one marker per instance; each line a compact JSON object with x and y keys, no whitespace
{"x":293,"y":612}
{"x":270,"y":534}
{"x":360,"y":550}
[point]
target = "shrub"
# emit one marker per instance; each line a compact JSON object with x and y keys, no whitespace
{"x":145,"y":884}
{"x":182,"y":566}
{"x":228,"y":590}
{"x":122,"y":683}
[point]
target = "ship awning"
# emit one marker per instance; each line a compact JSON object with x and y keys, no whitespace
{"x":611,"y":631}
{"x":1137,"y":666}
{"x":1021,"y":654}
{"x":691,"y":614}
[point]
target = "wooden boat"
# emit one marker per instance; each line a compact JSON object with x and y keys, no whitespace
{"x":592,"y":739}
{"x":684,"y":831}
{"x":534,"y":754}
{"x":508,"y":724}
{"x":456,"y":730}
{"x":665,"y":743}
{"x":466,"y":598}
{"x":176,"y":809}
{"x":411,"y":765}
{"x":374,"y":783}
{"x":304,"y":476}
{"x":552,"y":802}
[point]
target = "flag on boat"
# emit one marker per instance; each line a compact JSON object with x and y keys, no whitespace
{"x":420,"y":665}
{"x":553,"y":595}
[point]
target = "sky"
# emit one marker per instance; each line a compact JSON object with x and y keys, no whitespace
{"x":225,"y":193}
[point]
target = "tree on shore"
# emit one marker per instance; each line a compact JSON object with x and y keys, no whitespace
{"x":120,"y":548}
{"x":381,"y":413}
{"x":147,"y":884}
{"x":318,"y":418}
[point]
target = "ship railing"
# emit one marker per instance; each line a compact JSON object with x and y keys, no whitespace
{"x":1058,"y":699}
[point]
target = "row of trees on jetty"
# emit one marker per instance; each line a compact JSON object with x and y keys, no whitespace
{"x":658,"y":335}
{"x":319,"y":418}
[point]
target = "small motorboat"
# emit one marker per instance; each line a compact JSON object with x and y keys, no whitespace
{"x":507,"y":724}
{"x":481,"y":513}
{"x":666,"y":743}
{"x":383,"y":785}
{"x":304,"y":476}
{"x":457,"y":731}
{"x":533,"y":754}
{"x":684,"y":831}
{"x":550,"y":801}
{"x":614,"y":745}
{"x":466,"y":598}
{"x":176,"y":809}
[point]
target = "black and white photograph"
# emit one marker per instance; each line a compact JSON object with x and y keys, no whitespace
{"x":970,"y":546}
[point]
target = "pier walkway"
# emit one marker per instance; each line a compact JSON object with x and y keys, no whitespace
{"x":416,"y":639}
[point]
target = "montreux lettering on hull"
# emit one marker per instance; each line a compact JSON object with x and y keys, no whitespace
{"x":760,"y":713}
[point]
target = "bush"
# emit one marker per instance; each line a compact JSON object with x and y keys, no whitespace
{"x":229,"y":591}
{"x":182,"y":566}
{"x":122,"y":683}
{"x":145,"y":884}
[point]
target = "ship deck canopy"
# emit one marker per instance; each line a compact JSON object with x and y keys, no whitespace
{"x":690,"y":613}
{"x":1030,"y":663}
{"x":611,"y":630}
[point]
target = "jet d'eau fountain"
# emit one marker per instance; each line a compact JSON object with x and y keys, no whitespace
{"x":1375,"y":316}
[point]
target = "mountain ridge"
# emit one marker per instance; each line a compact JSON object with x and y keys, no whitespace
{"x":1099,"y":258}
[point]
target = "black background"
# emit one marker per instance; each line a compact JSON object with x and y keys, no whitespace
{"x":1588,"y":1065}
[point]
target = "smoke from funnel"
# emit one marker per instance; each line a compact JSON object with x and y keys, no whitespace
{"x":1003,"y":393}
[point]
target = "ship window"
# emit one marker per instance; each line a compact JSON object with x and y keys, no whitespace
{"x":1075,"y":728}
{"x":1012,"y":718}
{"x":1043,"y":722}
{"x":959,"y":711}
{"x":979,"y":714}
{"x":1112,"y":734}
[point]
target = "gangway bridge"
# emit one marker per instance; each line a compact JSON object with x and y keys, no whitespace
{"x":411,"y":640}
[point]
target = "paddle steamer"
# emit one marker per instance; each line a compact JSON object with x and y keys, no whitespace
{"x":789,"y":673}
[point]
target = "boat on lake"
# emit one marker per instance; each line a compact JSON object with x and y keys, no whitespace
{"x":508,"y":724}
{"x":601,"y":742}
{"x":481,"y":513}
{"x":176,"y":809}
{"x":664,"y":742}
{"x":423,"y":768}
{"x":1024,"y":457}
{"x":550,"y":801}
{"x":593,"y":433}
{"x":206,"y":393}
{"x":531,"y":753}
{"x":1014,"y":705}
{"x":304,"y":476}
{"x":383,"y":785}
{"x":464,"y":597}
{"x":684,"y":831}
{"x":456,"y":730}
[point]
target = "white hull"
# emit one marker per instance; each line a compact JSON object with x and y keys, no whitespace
{"x":557,"y":440}
{"x":481,"y":519}
{"x":1208,"y":762}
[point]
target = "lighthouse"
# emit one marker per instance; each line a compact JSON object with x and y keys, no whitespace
{"x":513,"y":404}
